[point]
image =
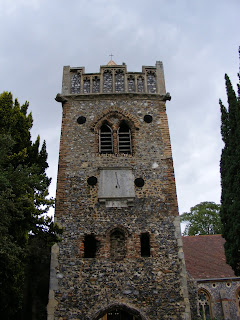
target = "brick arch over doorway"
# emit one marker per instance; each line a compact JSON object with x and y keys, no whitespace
{"x":125,"y":312}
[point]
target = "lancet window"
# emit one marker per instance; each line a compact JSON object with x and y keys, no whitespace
{"x":204,"y":305}
{"x":105,"y":139}
{"x":124,"y":138}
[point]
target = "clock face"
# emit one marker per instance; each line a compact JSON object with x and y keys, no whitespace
{"x":116,"y":184}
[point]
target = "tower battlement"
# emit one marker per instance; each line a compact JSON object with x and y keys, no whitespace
{"x":114,"y":78}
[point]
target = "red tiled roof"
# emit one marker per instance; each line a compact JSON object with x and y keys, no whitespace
{"x":204,"y":257}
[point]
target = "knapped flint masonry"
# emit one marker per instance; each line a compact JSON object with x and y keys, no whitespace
{"x":121,"y":255}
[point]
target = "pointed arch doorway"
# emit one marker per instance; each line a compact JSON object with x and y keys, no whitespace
{"x":117,"y":314}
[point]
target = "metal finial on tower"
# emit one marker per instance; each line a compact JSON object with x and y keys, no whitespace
{"x":111,"y":55}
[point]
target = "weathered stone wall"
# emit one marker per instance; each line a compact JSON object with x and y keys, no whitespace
{"x":84,"y":288}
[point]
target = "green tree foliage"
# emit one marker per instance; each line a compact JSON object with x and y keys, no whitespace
{"x":23,"y":204}
{"x":230,"y":176}
{"x":204,"y":218}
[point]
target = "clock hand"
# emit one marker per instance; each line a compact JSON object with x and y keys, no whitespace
{"x":118,"y":185}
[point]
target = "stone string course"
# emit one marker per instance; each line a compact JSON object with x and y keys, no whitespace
{"x":85,"y":288}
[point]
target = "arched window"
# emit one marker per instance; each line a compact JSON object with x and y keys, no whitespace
{"x":117,"y":245}
{"x":105,"y":139}
{"x":145,"y":245}
{"x":124,"y":138}
{"x":204,"y":305}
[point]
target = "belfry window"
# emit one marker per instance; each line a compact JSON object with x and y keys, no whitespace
{"x":105,"y":139}
{"x":124,"y":138}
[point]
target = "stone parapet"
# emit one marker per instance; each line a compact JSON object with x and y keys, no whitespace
{"x":114,"y":79}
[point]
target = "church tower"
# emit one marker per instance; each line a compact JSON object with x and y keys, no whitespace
{"x":121,"y":255}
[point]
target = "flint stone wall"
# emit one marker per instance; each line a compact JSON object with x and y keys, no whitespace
{"x":150,"y":288}
{"x":152,"y":285}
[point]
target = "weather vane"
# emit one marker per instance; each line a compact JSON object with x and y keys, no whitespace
{"x":111,"y":55}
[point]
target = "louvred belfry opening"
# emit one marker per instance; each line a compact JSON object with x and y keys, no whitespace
{"x":105,"y":139}
{"x":124,"y":138}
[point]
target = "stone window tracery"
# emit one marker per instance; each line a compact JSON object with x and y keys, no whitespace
{"x":86,"y":85}
{"x":140,"y":84}
{"x":96,"y":85}
{"x":107,"y":81}
{"x":119,"y":81}
{"x":131,"y":84}
{"x":151,"y":82}
{"x":76,"y":83}
{"x":204,"y":305}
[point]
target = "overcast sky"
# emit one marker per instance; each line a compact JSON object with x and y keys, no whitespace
{"x":197,"y":40}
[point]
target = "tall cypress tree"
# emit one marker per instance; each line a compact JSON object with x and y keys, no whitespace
{"x":26,"y":234}
{"x":230,"y":176}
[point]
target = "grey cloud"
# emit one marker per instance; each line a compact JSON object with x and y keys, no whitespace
{"x":196,"y":40}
